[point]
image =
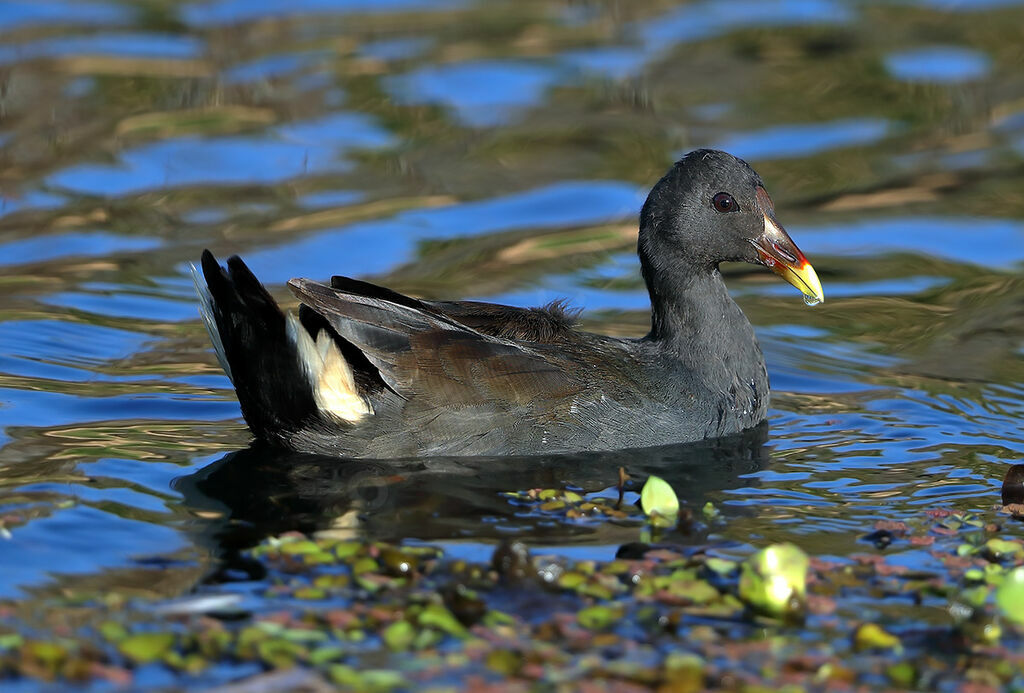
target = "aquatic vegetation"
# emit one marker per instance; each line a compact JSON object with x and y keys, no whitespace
{"x":366,"y":615}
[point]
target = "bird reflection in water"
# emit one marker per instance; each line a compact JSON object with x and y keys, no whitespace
{"x":261,"y":491}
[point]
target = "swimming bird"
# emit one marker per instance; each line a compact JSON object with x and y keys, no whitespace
{"x":362,"y":371}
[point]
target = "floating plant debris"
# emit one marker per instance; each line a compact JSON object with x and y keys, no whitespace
{"x":362,"y":615}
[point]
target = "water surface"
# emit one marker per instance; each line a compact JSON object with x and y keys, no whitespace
{"x":494,"y":150}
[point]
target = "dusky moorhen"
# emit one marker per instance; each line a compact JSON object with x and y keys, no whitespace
{"x":363,"y":371}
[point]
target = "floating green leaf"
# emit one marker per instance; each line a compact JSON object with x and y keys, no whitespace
{"x":399,"y":635}
{"x":504,"y":662}
{"x":48,"y":654}
{"x":298,"y":548}
{"x":571,"y":581}
{"x":347,"y":549}
{"x":309,"y":593}
{"x":902,"y":674}
{"x":1010,"y":596}
{"x":325,"y":654}
{"x":720,"y":565}
{"x":871,"y":636}
{"x":9,"y":641}
{"x":773,"y":581}
{"x":365,"y":565}
{"x":113,"y":631}
{"x":396,"y":562}
{"x":146,"y":647}
{"x":437,"y":616}
{"x":996,"y":549}
{"x":658,"y":498}
{"x":382,"y":680}
{"x":693,"y":591}
{"x":345,"y":676}
{"x":597,"y":617}
{"x":281,"y":653}
{"x":684,"y":672}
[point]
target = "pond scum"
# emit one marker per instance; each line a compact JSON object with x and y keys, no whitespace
{"x":369,"y":616}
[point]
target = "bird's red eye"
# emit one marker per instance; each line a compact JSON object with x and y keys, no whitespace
{"x":724,"y":202}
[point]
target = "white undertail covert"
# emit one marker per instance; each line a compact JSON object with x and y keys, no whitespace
{"x":330,"y":376}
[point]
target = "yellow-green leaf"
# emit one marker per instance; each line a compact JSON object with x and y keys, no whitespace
{"x":1010,"y":596}
{"x":657,"y":497}
{"x":146,"y":647}
{"x":774,"y":580}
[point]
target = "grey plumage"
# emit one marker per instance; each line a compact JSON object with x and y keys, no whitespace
{"x":451,"y":378}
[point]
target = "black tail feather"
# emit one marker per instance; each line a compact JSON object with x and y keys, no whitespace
{"x":272,"y":389}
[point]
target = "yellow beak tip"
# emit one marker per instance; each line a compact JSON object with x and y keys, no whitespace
{"x":805,"y":279}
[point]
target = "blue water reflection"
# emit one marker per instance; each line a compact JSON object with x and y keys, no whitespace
{"x":22,"y":408}
{"x":947,"y":64}
{"x":710,"y":18}
{"x":16,"y":14}
{"x":481,"y":94}
{"x":196,"y":161}
{"x":124,"y":303}
{"x":805,"y":139}
{"x":30,"y":199}
{"x":68,"y":342}
{"x":331,"y":198}
{"x":395,"y":49}
{"x":368,"y":248}
{"x":217,"y":12}
{"x":52,"y":545}
{"x":615,"y":62}
{"x":165,"y":46}
{"x":293,"y":150}
{"x":273,"y":66}
{"x":994,"y":243}
{"x":967,"y":5}
{"x":74,"y":244}
{"x":651,"y":39}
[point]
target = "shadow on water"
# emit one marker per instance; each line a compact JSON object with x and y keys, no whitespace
{"x":260,"y":491}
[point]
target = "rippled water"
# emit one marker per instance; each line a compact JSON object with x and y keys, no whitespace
{"x":495,"y":150}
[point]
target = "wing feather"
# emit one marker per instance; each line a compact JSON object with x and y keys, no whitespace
{"x":424,"y":354}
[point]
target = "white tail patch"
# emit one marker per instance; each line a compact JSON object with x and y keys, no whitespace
{"x":206,"y":311}
{"x":330,"y":376}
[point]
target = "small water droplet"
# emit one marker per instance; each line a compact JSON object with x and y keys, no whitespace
{"x":811,"y":300}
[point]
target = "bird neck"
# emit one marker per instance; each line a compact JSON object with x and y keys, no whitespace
{"x":708,"y":341}
{"x":694,"y":312}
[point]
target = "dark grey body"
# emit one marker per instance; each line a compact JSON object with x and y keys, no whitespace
{"x":470,"y":379}
{"x":477,"y":394}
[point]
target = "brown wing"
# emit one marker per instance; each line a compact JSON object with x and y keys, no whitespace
{"x":551,"y":323}
{"x":422,"y":353}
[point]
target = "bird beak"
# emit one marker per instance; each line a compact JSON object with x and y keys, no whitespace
{"x":778,"y":252}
